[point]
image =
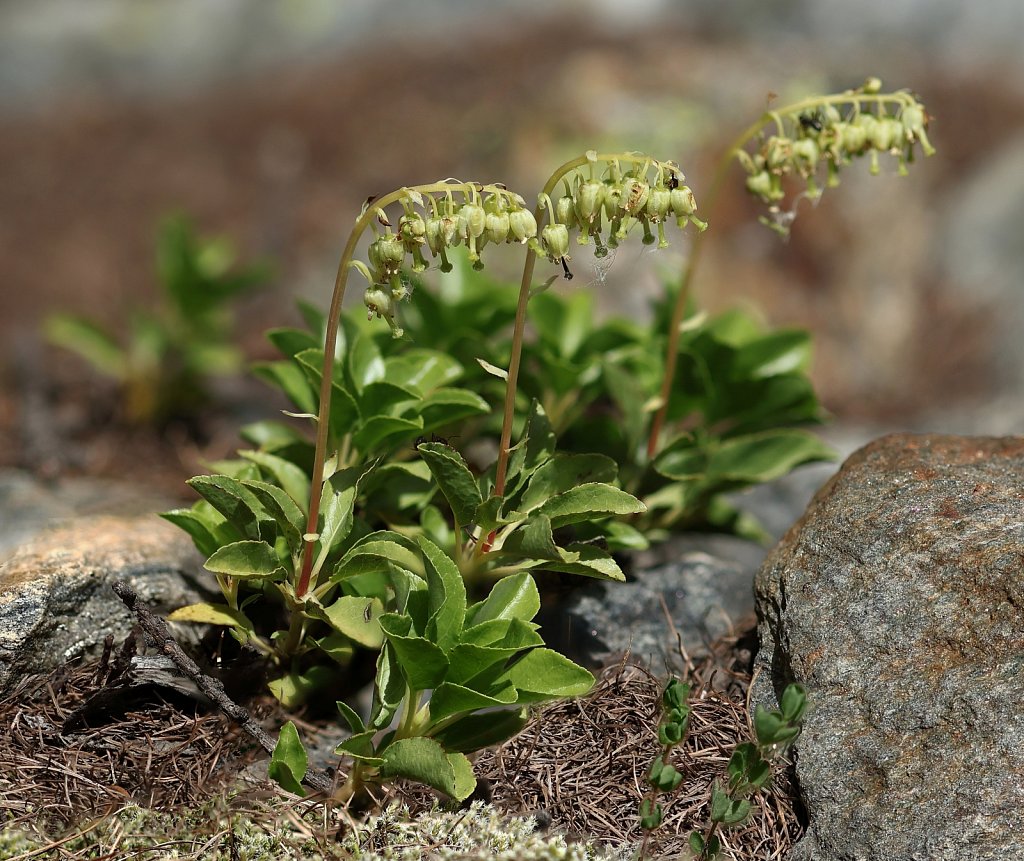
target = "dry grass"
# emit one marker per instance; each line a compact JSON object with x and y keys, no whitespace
{"x":579,"y":767}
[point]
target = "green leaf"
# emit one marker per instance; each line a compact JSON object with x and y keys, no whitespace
{"x":279,"y":505}
{"x":446,"y":591}
{"x":337,"y":647}
{"x":562,"y":321}
{"x":794,"y":702}
{"x":537,"y":446}
{"x":360,"y":747}
{"x":336,"y":505}
{"x":289,"y":762}
{"x":423,"y":370}
{"x":90,"y":342}
{"x":388,"y":688}
{"x":425,"y":760}
{"x":587,"y":561}
{"x":775,"y":353}
{"x":512,"y":597}
{"x":676,"y":694}
{"x":199,"y":528}
{"x":232,"y":499}
{"x":381,"y":431}
{"x":589,"y":501}
{"x":449,"y":406}
{"x":245,"y":559}
{"x":288,"y":476}
{"x":500,"y":634}
{"x":454,"y":478}
{"x":357,"y":619}
{"x":478,"y":731}
{"x":211,"y":614}
{"x":351,"y":716}
{"x":650,"y":814}
{"x":494,"y":370}
{"x":289,"y":341}
{"x":562,"y":473}
{"x":290,"y":379}
{"x":365,"y":363}
{"x":375,"y":551}
{"x":544,"y":674}
{"x":765,"y":456}
{"x":386,"y":399}
{"x":293,"y":689}
{"x":450,"y":699}
{"x":663,"y":776}
{"x":422,"y":662}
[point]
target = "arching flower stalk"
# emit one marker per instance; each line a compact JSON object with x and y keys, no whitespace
{"x":796,"y":145}
{"x":605,"y":205}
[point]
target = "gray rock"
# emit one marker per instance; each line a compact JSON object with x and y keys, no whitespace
{"x":898,"y":601}
{"x":55,"y":600}
{"x":702,"y":583}
{"x":29,"y":506}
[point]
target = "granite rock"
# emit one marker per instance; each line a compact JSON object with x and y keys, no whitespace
{"x":898,"y":601}
{"x":698,"y":586}
{"x":55,"y":600}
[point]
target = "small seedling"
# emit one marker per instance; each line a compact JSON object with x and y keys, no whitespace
{"x":164,"y":366}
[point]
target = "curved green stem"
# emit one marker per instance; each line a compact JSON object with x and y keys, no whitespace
{"x":330,"y":344}
{"x":524,"y":297}
{"x":710,"y":200}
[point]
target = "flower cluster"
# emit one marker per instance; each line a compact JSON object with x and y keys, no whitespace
{"x":647,"y":193}
{"x":604,"y":204}
{"x":834,"y":130}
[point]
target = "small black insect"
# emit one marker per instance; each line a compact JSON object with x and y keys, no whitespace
{"x":812,"y":121}
{"x":673,"y":181}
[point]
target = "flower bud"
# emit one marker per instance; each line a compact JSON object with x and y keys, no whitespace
{"x":386,"y":253}
{"x":777,"y":152}
{"x":440,"y":233}
{"x":589,"y":197}
{"x":472,"y":220}
{"x":634,"y":194}
{"x":555,"y":241}
{"x":565,"y":210}
{"x":805,"y":154}
{"x":884,"y":133}
{"x":522,"y":225}
{"x":682,"y":201}
{"x":854,"y":137}
{"x":612,"y":198}
{"x":496,"y":227}
{"x":761,"y":185}
{"x":378,"y":301}
{"x":659,"y":203}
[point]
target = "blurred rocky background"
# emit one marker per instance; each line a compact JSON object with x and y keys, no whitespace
{"x":272,"y":122}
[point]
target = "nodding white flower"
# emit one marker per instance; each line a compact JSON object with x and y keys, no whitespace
{"x":379,"y":301}
{"x":496,"y":227}
{"x":805,"y":155}
{"x":565,"y":210}
{"x":555,"y":241}
{"x":522,"y":224}
{"x":635,"y":193}
{"x":589,"y":199}
{"x":682,"y":201}
{"x":387,"y":254}
{"x":658,"y":204}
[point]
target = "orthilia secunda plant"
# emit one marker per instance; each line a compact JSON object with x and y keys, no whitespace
{"x":787,"y":154}
{"x":604,"y":197}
